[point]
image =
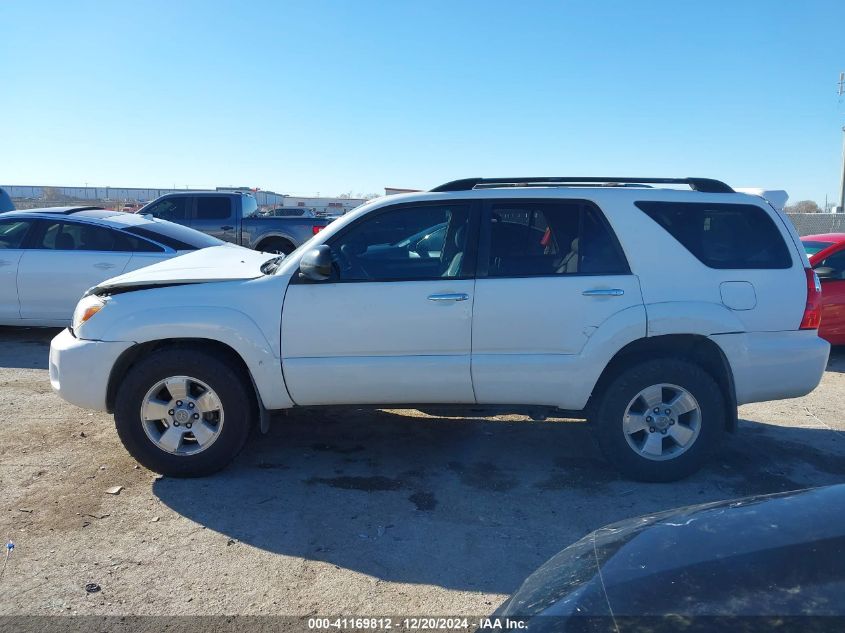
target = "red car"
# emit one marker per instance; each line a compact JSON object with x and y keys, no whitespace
{"x":827,"y":256}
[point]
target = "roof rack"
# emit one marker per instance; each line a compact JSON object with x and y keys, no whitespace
{"x":706,"y":185}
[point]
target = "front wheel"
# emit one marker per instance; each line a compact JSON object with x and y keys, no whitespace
{"x":659,"y":420}
{"x":183,"y":412}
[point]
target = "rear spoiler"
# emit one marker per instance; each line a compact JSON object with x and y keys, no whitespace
{"x":775,"y":197}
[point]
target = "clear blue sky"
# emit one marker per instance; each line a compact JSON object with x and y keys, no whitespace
{"x":354,"y":96}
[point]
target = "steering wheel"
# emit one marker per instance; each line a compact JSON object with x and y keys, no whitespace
{"x":348,"y":264}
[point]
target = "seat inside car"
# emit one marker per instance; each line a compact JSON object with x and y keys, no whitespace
{"x":65,"y":242}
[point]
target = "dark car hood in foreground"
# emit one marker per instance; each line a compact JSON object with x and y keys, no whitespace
{"x":775,"y":555}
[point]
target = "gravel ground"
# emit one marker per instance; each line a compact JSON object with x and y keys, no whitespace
{"x":340,"y":512}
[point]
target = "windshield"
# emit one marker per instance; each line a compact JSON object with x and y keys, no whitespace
{"x":176,"y":236}
{"x":811,"y":248}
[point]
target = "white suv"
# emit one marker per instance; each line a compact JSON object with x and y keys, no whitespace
{"x":651,"y":312}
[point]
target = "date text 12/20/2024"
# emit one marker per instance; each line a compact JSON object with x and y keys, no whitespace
{"x":416,"y":624}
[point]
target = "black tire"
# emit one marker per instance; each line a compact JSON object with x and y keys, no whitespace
{"x":230,"y":386}
{"x":613,"y":404}
{"x":276,"y":245}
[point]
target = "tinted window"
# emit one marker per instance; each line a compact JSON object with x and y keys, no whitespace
{"x":836,"y":262}
{"x":173,"y":209}
{"x":12,"y":233}
{"x":213,"y":207}
{"x":72,"y":236}
{"x":530,"y":239}
{"x":175,"y":236}
{"x":138,"y":245}
{"x":723,"y":235}
{"x":811,"y":248}
{"x":385,"y":246}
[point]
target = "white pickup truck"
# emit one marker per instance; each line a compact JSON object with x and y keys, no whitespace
{"x":653,"y":312}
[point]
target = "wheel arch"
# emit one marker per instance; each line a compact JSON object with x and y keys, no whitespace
{"x":132,"y":355}
{"x":269,"y":237}
{"x":692,"y":347}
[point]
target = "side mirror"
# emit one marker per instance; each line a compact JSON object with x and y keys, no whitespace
{"x":316,"y":264}
{"x":826,"y":272}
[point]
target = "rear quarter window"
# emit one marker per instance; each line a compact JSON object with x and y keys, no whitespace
{"x":723,"y":235}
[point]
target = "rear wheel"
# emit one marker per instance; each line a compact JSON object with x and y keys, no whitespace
{"x":659,"y":420}
{"x":183,"y":412}
{"x":276,"y":245}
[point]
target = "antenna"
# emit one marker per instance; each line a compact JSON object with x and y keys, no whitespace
{"x":841,"y":90}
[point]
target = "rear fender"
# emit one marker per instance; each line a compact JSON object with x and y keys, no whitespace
{"x":691,"y":317}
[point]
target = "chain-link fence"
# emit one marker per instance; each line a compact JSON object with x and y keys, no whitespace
{"x":813,"y":223}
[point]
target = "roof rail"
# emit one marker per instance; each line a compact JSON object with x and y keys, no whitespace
{"x":706,"y":185}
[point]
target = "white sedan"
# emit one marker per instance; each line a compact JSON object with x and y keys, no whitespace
{"x":50,"y":257}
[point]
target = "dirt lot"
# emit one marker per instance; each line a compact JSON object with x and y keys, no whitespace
{"x":353,"y":512}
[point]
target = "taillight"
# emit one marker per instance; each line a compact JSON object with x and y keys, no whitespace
{"x":316,"y":229}
{"x":813,"y":311}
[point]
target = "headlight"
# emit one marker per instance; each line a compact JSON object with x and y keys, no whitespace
{"x":85,"y":309}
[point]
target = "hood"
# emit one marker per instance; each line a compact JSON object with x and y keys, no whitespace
{"x":217,"y":263}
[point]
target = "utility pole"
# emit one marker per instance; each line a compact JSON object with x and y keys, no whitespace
{"x":840,"y":92}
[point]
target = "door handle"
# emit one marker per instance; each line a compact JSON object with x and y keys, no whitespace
{"x":449,"y":296}
{"x":227,"y":228}
{"x":103,"y":265}
{"x":604,"y":292}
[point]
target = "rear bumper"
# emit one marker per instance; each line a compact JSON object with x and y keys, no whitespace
{"x":80,"y":369}
{"x":774,"y":365}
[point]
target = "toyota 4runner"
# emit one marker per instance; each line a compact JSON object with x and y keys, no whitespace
{"x":650,"y":310}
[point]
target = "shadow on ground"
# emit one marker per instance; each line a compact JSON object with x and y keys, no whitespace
{"x":837,"y":359}
{"x":26,"y":347}
{"x":463,"y":504}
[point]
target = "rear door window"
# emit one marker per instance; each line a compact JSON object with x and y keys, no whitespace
{"x":721,"y":235}
{"x":213,"y":208}
{"x":535,"y":239}
{"x":73,"y":236}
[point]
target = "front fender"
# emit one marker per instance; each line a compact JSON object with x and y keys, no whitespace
{"x":225,"y":325}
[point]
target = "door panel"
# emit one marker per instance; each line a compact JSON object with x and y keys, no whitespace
{"x":67,"y":259}
{"x":13,"y":236}
{"x":553,"y":274}
{"x":377,"y":343}
{"x":533,"y":329}
{"x":215,"y":216}
{"x":9,"y":305}
{"x":50,"y":283}
{"x":833,"y":298}
{"x":360,"y":339}
{"x":833,"y":311}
